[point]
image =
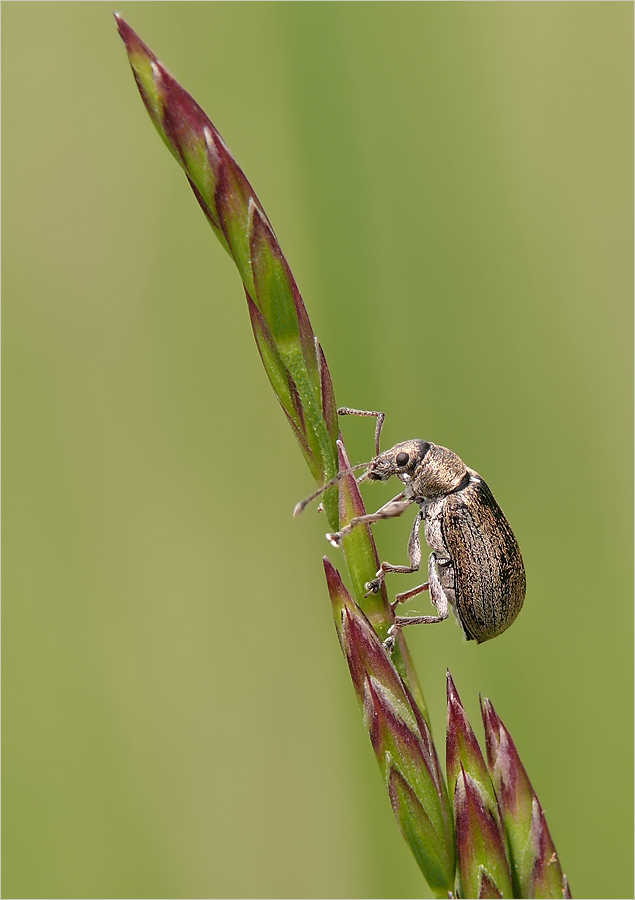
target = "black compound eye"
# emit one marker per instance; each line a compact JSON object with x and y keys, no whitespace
{"x":402,"y":459}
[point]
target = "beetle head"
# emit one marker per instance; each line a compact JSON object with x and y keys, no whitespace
{"x":431,"y":470}
{"x":401,"y":460}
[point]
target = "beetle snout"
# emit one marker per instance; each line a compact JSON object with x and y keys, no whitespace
{"x":376,"y":474}
{"x":378,"y":471}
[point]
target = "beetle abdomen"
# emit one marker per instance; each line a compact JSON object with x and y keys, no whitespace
{"x":489,"y":575}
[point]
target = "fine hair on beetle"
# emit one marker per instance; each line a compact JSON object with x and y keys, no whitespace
{"x":475,"y":567}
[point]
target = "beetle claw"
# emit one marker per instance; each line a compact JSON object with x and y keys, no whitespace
{"x":389,"y":643}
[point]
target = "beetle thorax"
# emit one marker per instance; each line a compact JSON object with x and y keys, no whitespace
{"x":440,"y":472}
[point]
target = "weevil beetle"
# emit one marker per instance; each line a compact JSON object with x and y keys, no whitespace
{"x":475,"y":567}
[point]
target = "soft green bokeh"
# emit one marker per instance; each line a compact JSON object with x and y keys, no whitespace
{"x":452,"y":185}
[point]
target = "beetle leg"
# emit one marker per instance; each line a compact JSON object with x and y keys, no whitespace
{"x":408,"y":595}
{"x":414,"y":555}
{"x":390,"y":510}
{"x":380,"y":416}
{"x":437,"y":596}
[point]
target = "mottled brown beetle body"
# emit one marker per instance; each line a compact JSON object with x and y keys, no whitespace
{"x":477,"y":557}
{"x":475,"y":567}
{"x":485,"y":579}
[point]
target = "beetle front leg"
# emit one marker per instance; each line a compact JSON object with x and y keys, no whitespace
{"x":414,"y":555}
{"x":390,"y":510}
{"x":380,"y":416}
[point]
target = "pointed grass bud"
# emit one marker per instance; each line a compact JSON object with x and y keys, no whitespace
{"x":401,"y":740}
{"x":536,"y":869}
{"x":289,"y":350}
{"x":482,"y":861}
{"x":482,"y":857}
{"x":462,"y":749}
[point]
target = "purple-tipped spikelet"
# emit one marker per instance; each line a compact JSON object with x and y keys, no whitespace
{"x":536,"y":869}
{"x":401,"y":740}
{"x":290,"y":352}
{"x":483,"y":866}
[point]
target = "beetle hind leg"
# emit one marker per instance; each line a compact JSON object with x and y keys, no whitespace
{"x":437,"y":596}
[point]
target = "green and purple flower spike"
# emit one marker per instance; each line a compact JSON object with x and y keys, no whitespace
{"x":504,"y":848}
{"x":483,"y":865}
{"x":536,"y":869}
{"x":401,"y":740}
{"x":485,"y":835}
{"x":290,"y":353}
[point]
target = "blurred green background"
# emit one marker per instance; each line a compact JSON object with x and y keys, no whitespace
{"x":452,"y":186}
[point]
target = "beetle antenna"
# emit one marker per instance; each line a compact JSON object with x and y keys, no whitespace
{"x":303,"y":503}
